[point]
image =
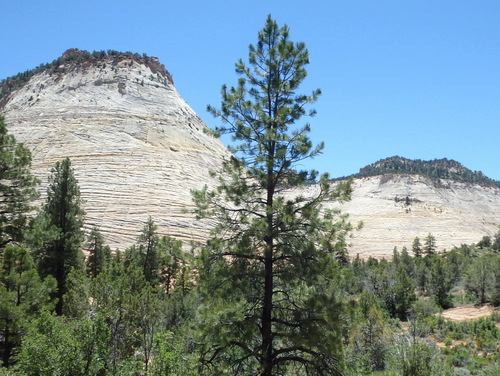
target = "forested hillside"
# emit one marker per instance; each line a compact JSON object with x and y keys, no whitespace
{"x":436,"y":169}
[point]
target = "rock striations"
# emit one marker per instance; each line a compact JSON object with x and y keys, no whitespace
{"x":396,"y":208}
{"x":136,"y":146}
{"x":138,"y":149}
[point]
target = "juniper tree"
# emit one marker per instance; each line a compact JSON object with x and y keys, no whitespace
{"x":266,"y":274}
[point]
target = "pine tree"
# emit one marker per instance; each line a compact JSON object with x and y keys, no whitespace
{"x":404,"y":292}
{"x":99,"y":253}
{"x":268,"y":269}
{"x":17,"y":187}
{"x":171,"y":261}
{"x":430,"y":245}
{"x":22,"y":296}
{"x":148,"y":243}
{"x":417,"y":247}
{"x":480,"y":277}
{"x":62,"y":219}
{"x":441,"y":282}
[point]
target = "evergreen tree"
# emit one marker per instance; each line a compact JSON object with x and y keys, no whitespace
{"x":404,"y":293}
{"x":430,"y":245}
{"x":495,"y":245}
{"x":171,"y":261}
{"x":99,"y":253}
{"x":416,"y":247}
{"x":22,"y":296}
{"x":17,"y":187}
{"x":267,"y":272}
{"x":62,"y":219}
{"x":480,"y":278}
{"x":441,"y":282}
{"x":132,"y":312}
{"x":408,"y":262}
{"x":148,"y":243}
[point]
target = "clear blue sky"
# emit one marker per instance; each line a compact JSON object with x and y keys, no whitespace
{"x":419,"y":79}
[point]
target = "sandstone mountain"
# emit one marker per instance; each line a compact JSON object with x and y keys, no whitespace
{"x":138,"y":148}
{"x":396,"y":208}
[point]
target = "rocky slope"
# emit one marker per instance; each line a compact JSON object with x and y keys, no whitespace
{"x":137,"y":149}
{"x":136,"y":146}
{"x":397,"y":208}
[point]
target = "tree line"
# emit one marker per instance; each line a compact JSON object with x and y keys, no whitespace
{"x":73,"y":57}
{"x":436,"y":169}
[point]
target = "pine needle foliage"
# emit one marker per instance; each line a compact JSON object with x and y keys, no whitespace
{"x":267,"y":275}
{"x":17,"y":187}
{"x":62,"y":222}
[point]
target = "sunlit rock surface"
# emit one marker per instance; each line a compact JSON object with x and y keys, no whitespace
{"x":136,"y":146}
{"x":397,"y":208}
{"x":138,"y":149}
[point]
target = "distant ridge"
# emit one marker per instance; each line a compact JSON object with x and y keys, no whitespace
{"x":435,"y":169}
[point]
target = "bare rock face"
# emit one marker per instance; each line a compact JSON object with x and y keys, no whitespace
{"x":138,"y":149}
{"x":136,"y":146}
{"x":397,"y":208}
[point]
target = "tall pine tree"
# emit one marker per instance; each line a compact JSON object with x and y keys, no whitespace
{"x":267,"y":270}
{"x":62,"y":218}
{"x":148,"y":253}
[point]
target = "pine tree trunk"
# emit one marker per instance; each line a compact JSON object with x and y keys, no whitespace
{"x":267,"y":335}
{"x":267,"y":339}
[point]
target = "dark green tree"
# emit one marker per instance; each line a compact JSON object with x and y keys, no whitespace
{"x":480,"y":278}
{"x":22,"y":296}
{"x":99,"y":253}
{"x":408,"y":262}
{"x":172,"y":261}
{"x":495,"y":294}
{"x":62,"y":218}
{"x":404,"y":292}
{"x":430,"y":245}
{"x":495,"y":245}
{"x":17,"y":187}
{"x":485,"y":242}
{"x":266,"y":274}
{"x":441,"y":282}
{"x":148,"y":252}
{"x":416,"y":247}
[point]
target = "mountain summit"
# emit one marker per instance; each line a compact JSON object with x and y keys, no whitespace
{"x":136,"y":146}
{"x":437,"y":169}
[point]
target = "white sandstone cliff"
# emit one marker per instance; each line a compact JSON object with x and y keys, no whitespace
{"x":136,"y":146}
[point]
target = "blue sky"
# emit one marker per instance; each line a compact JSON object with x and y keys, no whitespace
{"x":419,"y":79}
